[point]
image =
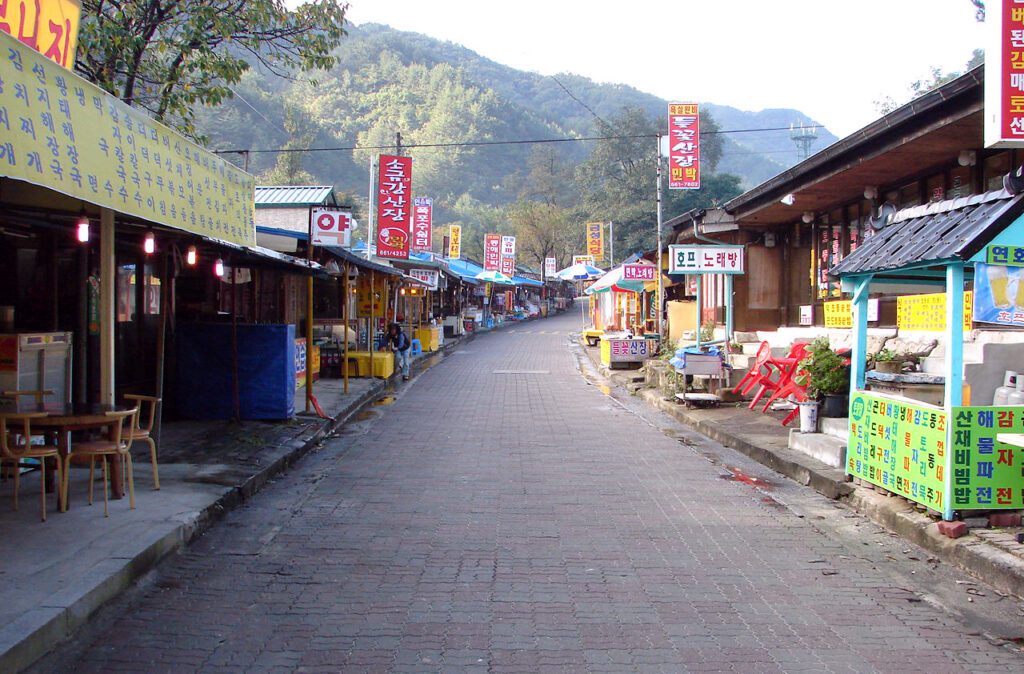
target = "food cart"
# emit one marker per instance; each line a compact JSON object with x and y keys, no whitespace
{"x":619,"y":315}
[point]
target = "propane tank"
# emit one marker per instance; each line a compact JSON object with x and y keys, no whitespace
{"x":1009,"y":386}
{"x":1017,"y":397}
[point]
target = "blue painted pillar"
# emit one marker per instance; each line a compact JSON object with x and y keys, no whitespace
{"x":954,"y":335}
{"x":858,"y":359}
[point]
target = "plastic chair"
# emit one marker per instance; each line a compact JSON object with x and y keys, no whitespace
{"x":416,"y":347}
{"x":16,"y":445}
{"x":116,"y":446}
{"x":787,"y":384}
{"x":140,"y":432}
{"x":752,"y":377}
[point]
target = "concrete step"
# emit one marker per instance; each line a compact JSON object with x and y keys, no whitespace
{"x":836,"y":427}
{"x":826,"y":448}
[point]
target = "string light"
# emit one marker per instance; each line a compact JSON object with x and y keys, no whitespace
{"x":191,"y":256}
{"x":218,"y":268}
{"x":83,"y":228}
{"x":149,"y":243}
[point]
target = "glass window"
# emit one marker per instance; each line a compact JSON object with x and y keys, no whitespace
{"x":125,"y":293}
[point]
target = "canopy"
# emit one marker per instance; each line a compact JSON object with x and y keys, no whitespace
{"x":492,"y":276}
{"x":614,"y":281}
{"x":580,"y":271}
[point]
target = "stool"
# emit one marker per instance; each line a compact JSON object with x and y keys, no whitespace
{"x":416,"y":347}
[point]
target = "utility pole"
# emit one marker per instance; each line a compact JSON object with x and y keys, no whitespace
{"x":398,"y":143}
{"x":661,"y":280}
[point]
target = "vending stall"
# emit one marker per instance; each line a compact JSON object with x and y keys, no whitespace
{"x":620,"y":312}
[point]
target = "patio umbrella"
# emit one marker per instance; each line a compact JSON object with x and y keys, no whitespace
{"x":614,"y":280}
{"x":581,"y":271}
{"x":492,"y":276}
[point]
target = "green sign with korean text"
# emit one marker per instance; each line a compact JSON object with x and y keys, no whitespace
{"x":63,"y":133}
{"x":1007,"y":255}
{"x":899,"y":446}
{"x":987,"y":474}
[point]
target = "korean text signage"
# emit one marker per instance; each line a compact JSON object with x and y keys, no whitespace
{"x":705,"y":260}
{"x":426,"y":276}
{"x":1004,"y":75}
{"x":839,"y":314}
{"x":492,"y":252}
{"x":508,"y":255}
{"x":394,"y":208}
{"x":986,"y":472}
{"x":583,"y":259}
{"x":629,"y":350}
{"x":928,"y":312}
{"x":550,"y":267}
{"x":683,"y":146}
{"x":595,"y":240}
{"x":638,"y":272}
{"x":455,"y":241}
{"x":422,"y":215}
{"x":900,"y":447}
{"x":68,"y":135}
{"x":330,"y":226}
{"x":999,"y":292}
{"x":50,"y":27}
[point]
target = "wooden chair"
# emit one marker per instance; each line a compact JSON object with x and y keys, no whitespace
{"x":16,"y":445}
{"x":140,"y":432}
{"x":116,"y":447}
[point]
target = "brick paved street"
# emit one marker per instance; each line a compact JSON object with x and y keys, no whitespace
{"x":505,"y":515}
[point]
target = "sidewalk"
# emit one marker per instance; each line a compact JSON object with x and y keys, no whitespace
{"x":56,"y":574}
{"x":991,"y":555}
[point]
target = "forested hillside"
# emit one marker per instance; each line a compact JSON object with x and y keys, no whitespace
{"x":453,"y":106}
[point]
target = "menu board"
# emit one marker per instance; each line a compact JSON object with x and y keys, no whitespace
{"x":987,"y":474}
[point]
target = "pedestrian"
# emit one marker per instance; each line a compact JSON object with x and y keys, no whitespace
{"x":399,"y":343}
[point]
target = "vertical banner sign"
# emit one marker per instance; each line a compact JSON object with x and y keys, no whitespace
{"x":49,"y":27}
{"x":508,"y":255}
{"x":1004,"y":75}
{"x":330,"y":227}
{"x":595,"y":240}
{"x":454,"y":241}
{"x":683,"y":146}
{"x":492,"y":252}
{"x":394,"y":210}
{"x":421,"y":223}
{"x":550,"y":267}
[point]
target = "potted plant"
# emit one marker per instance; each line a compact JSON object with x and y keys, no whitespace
{"x":888,"y":361}
{"x":827,"y":377}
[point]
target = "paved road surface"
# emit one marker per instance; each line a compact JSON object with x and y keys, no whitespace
{"x":505,"y":514}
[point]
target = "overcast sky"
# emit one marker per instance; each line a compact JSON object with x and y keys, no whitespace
{"x":830,"y":59}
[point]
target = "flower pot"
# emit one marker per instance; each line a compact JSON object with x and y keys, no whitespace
{"x":835,"y":405}
{"x":808,"y":416}
{"x":888,"y":366}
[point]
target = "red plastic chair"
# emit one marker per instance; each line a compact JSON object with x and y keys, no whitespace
{"x":757,"y":370}
{"x":787,"y":384}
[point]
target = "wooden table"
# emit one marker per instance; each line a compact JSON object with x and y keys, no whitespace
{"x":63,"y":418}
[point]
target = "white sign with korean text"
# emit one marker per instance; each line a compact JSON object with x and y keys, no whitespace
{"x":705,"y":260}
{"x":427,"y":276}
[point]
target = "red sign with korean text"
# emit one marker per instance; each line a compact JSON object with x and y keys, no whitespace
{"x":637,"y":272}
{"x":49,"y":27}
{"x":394,"y":207}
{"x":508,"y":265}
{"x":422,"y":215}
{"x":1004,"y":75}
{"x":683,"y":146}
{"x":492,"y":252}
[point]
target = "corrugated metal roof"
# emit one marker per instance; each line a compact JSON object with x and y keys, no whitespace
{"x":268,"y":196}
{"x":935,"y":234}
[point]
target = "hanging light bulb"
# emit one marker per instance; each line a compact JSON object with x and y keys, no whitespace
{"x":191,"y":256}
{"x":83,"y":228}
{"x":218,"y":268}
{"x":149,"y":243}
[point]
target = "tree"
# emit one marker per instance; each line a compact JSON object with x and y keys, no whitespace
{"x":543,"y":230}
{"x":288,"y":169}
{"x":167,"y":56}
{"x":937,"y":79}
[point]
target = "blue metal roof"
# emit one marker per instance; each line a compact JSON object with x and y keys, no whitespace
{"x":280,"y":196}
{"x":523,"y":281}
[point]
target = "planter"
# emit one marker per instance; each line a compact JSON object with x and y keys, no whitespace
{"x":889,"y":366}
{"x":808,"y":416}
{"x":835,"y":405}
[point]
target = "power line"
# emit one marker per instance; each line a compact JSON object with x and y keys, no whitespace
{"x":486,"y":143}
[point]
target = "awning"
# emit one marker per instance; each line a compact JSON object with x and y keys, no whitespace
{"x":361,"y":262}
{"x":925,"y":236}
{"x":613,"y":281}
{"x":523,"y":281}
{"x":465,"y":270}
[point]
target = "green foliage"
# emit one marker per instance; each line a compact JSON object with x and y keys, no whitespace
{"x":170,"y":56}
{"x":886,"y":355}
{"x":825,"y":371}
{"x":936,"y":79}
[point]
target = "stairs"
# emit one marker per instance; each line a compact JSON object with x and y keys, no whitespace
{"x":828,"y":446}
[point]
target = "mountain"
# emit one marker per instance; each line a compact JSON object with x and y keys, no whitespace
{"x":440,"y":94}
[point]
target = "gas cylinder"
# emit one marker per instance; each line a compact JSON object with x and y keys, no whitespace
{"x":1008,"y":387}
{"x":1017,"y":397}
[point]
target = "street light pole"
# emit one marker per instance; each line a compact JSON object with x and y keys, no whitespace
{"x":661,"y":281}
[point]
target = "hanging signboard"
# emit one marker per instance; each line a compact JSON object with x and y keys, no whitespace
{"x":428,"y":277}
{"x":330,"y":226}
{"x":927,"y":313}
{"x":550,"y":267}
{"x":455,"y":241}
{"x":508,"y":246}
{"x":638,"y":272}
{"x":595,"y":240}
{"x":508,"y":265}
{"x":394,"y":210}
{"x":583,"y":259}
{"x":492,"y":252}
{"x":1000,"y":292}
{"x":705,"y":260}
{"x":422,"y":227}
{"x":1004,"y":74}
{"x":50,"y":27}
{"x":683,"y":146}
{"x":70,"y":136}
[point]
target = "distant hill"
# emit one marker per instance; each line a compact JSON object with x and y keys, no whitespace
{"x":436,"y":92}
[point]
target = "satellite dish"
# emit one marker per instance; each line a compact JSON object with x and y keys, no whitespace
{"x":886,"y":212}
{"x":1013,"y":182}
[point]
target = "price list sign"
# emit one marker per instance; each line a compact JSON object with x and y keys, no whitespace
{"x":987,"y":473}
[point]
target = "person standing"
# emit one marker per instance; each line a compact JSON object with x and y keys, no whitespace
{"x":399,"y":343}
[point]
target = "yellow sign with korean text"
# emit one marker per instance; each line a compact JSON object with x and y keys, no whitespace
{"x":454,"y":241}
{"x":50,"y":27}
{"x":595,"y":240}
{"x":839,"y":314}
{"x":928,"y":312}
{"x":63,"y":133}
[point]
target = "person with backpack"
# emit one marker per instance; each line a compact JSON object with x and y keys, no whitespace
{"x":399,"y":343}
